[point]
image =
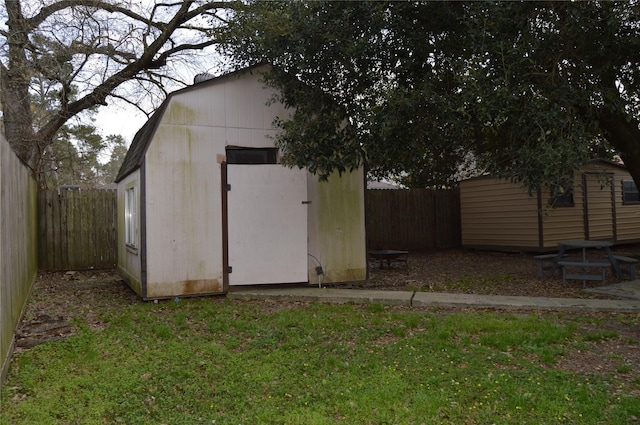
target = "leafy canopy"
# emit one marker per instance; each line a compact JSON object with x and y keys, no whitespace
{"x":434,"y":90}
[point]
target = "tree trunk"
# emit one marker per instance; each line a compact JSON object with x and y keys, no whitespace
{"x":14,"y":82}
{"x":623,"y":133}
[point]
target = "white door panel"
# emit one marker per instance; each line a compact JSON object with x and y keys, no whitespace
{"x":267,"y":220}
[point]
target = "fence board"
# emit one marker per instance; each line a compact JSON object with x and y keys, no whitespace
{"x":417,"y":219}
{"x":18,"y":246}
{"x":77,"y":229}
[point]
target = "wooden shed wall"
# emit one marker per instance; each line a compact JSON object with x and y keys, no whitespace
{"x":563,"y":222}
{"x":497,"y":213}
{"x":129,"y":259}
{"x":183,"y":191}
{"x":183,"y":180}
{"x":598,"y":210}
{"x":336,"y":227}
{"x":627,"y":216}
{"x":184,"y":252}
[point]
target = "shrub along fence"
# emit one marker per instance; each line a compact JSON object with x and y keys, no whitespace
{"x":18,"y":242}
{"x":77,"y":229}
{"x":416,"y":219}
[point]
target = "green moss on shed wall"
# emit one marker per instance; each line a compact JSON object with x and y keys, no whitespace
{"x":341,"y":227}
{"x":179,"y":113}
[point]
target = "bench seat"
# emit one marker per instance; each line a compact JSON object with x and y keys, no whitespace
{"x":630,"y":262}
{"x":584,"y":265}
{"x":546,"y":262}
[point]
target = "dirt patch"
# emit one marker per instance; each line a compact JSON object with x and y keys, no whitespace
{"x":609,"y":348}
{"x":60,"y":297}
{"x":616,"y":359}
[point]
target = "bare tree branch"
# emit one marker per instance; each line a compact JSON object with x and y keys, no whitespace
{"x":87,"y":51}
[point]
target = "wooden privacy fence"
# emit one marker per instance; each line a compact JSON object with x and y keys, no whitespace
{"x":18,"y":241}
{"x":77,"y":229}
{"x":416,"y":219}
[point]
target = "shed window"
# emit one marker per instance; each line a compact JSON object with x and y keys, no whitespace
{"x":564,"y":200}
{"x":252,"y":155}
{"x":130,"y":216}
{"x":630,"y":193}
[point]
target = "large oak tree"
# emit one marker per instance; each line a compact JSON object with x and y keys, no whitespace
{"x":525,"y":90}
{"x":84,"y":53}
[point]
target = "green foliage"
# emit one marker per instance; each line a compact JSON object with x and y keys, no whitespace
{"x":437,"y":90}
{"x":210,"y":360}
{"x":109,"y":170}
{"x":74,"y":157}
{"x":318,"y":136}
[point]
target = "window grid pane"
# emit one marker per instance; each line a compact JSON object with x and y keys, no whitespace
{"x":630,"y":193}
{"x":564,"y":200}
{"x":130,"y":216}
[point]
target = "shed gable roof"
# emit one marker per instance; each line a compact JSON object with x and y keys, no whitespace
{"x":141,"y":141}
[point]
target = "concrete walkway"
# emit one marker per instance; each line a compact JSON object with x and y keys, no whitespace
{"x":629,"y":290}
{"x":434,"y":299}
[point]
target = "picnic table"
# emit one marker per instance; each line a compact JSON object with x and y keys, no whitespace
{"x":584,"y":245}
{"x":389,"y":255}
{"x":558,"y":261}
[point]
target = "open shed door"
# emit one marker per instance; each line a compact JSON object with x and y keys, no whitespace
{"x":267,"y":224}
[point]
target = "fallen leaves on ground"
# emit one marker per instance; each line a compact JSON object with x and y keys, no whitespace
{"x":64,"y":297}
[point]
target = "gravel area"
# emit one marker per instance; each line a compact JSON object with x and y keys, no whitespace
{"x":479,"y":272}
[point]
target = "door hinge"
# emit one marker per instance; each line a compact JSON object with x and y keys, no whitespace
{"x":229,"y":269}
{"x":306,"y":202}
{"x":227,"y":187}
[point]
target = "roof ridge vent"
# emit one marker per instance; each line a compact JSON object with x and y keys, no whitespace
{"x":203,"y":76}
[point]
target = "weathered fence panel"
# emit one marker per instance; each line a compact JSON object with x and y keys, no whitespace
{"x":77,"y":229}
{"x":416,"y":219}
{"x":18,"y":245}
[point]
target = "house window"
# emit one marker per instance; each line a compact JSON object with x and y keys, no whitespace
{"x":130,"y":216}
{"x":252,"y":155}
{"x":630,"y":193}
{"x":564,"y":200}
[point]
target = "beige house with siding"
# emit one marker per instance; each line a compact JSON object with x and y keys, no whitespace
{"x":204,"y":204}
{"x":498,"y":214}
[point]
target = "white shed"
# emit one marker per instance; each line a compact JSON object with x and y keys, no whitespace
{"x":204,"y":205}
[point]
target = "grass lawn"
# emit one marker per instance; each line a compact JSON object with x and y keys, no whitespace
{"x":212,"y":360}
